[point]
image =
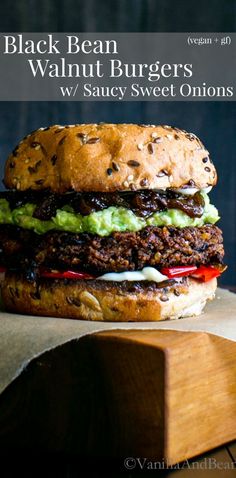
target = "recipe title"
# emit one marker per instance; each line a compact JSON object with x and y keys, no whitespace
{"x":102,"y":72}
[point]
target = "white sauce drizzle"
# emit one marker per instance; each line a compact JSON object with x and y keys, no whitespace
{"x":192,"y":191}
{"x":147,"y":273}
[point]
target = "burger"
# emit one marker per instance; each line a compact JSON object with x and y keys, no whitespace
{"x":109,"y":222}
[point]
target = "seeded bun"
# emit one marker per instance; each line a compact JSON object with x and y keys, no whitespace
{"x":106,"y":301}
{"x":109,"y":157}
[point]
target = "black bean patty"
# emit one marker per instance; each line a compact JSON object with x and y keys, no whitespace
{"x":122,"y":251}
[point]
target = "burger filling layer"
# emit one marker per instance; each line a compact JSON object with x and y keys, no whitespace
{"x":147,"y":236}
{"x":89,"y":213}
{"x":158,"y":247}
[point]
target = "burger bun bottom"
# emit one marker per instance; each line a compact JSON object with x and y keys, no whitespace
{"x":106,"y":301}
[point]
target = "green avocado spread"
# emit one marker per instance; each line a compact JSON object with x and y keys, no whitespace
{"x":103,"y":222}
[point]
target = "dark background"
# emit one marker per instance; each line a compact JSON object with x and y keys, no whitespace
{"x":214,"y":122}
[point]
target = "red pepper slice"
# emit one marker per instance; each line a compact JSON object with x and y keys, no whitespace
{"x":65,"y":275}
{"x":206,"y":273}
{"x":172,"y":272}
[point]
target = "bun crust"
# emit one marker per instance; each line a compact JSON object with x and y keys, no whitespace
{"x":106,"y":301}
{"x":109,"y":157}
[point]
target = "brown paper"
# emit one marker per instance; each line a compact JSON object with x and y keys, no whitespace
{"x":23,"y":338}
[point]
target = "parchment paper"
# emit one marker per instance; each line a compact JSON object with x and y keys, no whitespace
{"x":23,"y":338}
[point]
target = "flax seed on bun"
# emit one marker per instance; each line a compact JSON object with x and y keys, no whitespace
{"x":109,"y":157}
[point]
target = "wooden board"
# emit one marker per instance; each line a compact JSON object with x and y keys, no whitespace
{"x":178,"y":391}
{"x":159,"y":394}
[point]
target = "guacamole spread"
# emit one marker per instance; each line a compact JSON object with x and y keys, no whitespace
{"x":102,"y":222}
